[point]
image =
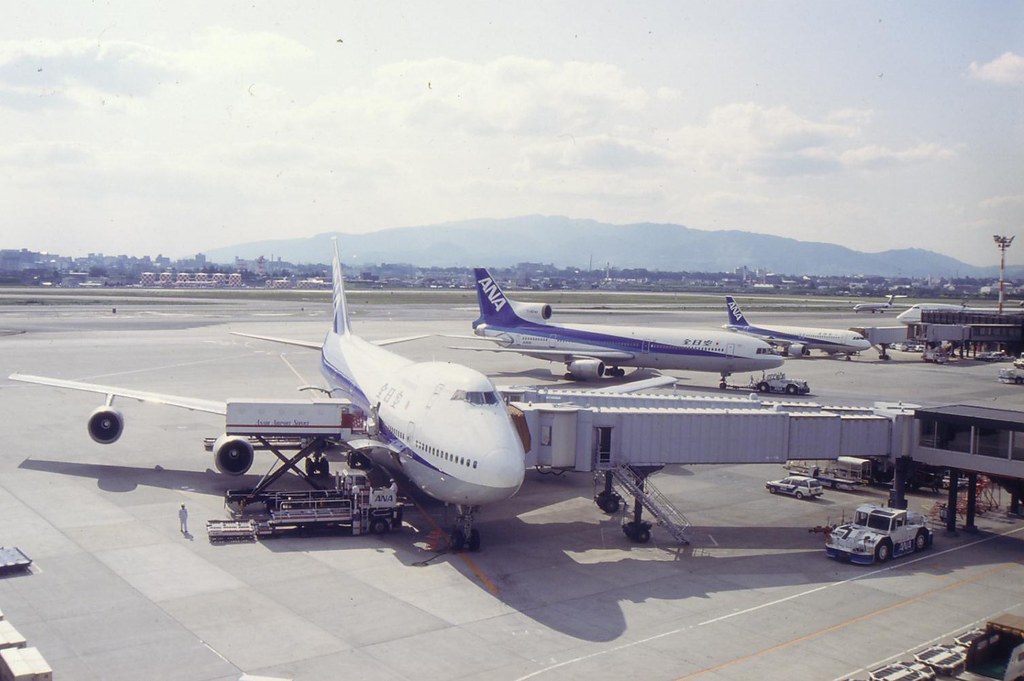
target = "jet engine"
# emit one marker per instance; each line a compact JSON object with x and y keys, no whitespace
{"x":585,"y":369}
{"x":532,"y":312}
{"x":105,"y":425}
{"x":797,"y":350}
{"x":233,"y":455}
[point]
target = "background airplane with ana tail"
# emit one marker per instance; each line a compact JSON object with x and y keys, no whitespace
{"x":590,"y":351}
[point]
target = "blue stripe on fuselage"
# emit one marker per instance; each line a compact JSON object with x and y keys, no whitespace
{"x":608,"y":341}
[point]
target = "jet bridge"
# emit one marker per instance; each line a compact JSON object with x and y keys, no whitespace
{"x":626,"y":437}
{"x":594,"y":431}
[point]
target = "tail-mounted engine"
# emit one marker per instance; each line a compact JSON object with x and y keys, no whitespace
{"x":105,"y":425}
{"x":532,"y":312}
{"x":233,"y":455}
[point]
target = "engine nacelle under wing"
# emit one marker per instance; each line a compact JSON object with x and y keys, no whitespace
{"x":797,"y":350}
{"x":585,"y":369}
{"x":533,"y":312}
{"x":233,"y":455}
{"x":105,"y":425}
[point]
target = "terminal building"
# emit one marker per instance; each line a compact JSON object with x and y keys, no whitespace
{"x":972,"y":331}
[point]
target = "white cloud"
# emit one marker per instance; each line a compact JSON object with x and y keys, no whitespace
{"x":43,"y":74}
{"x":762,"y":142}
{"x":874,"y":156}
{"x":1007,"y":69}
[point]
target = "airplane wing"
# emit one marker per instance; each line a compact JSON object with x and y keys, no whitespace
{"x":554,"y":355}
{"x":657,"y":381}
{"x":312,"y":345}
{"x":193,"y":403}
{"x":286,"y":341}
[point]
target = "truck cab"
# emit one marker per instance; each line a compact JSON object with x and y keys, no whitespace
{"x":877,"y":534}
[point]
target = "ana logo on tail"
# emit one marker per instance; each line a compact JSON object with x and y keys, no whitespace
{"x":493,"y":293}
{"x":734,"y":310}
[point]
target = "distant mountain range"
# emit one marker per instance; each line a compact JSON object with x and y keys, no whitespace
{"x":568,"y":242}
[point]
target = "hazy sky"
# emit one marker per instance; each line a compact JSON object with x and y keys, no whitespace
{"x":143,"y":128}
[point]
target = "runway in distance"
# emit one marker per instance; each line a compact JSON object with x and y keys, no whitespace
{"x":442,"y":426}
{"x":590,"y":351}
{"x":875,"y":307}
{"x":797,"y":341}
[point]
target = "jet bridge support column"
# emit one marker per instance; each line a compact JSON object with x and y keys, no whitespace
{"x":608,"y":500}
{"x":951,"y":500}
{"x":972,"y":491}
{"x":897,"y":494}
{"x":638,"y":529}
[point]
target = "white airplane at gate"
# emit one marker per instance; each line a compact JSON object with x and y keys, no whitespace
{"x":590,"y":351}
{"x":443,"y":426}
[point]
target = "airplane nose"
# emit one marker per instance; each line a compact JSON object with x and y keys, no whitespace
{"x":508,"y":469}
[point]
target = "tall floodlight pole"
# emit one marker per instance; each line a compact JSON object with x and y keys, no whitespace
{"x":1002,"y":242}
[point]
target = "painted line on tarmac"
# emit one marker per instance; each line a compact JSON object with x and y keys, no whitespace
{"x":856,"y":620}
{"x":769,"y":604}
{"x":948,"y":635}
{"x":488,"y":584}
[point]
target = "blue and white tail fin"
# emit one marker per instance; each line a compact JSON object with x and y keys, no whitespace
{"x":341,"y":326}
{"x":495,"y":308}
{"x":736,"y":317}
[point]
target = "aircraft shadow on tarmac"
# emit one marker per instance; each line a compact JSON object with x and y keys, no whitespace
{"x":542,"y":567}
{"x":111,"y":478}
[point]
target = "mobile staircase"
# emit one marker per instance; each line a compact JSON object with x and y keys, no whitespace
{"x":627,"y":480}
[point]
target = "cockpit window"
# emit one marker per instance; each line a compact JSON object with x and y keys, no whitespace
{"x":476,"y":397}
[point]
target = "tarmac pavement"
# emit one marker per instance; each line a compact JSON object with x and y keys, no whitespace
{"x":557,"y":592}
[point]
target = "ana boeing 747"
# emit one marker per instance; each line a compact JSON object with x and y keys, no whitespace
{"x":590,"y":351}
{"x":797,"y":341}
{"x":443,"y":426}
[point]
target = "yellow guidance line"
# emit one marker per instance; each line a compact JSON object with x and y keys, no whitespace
{"x":484,"y":579}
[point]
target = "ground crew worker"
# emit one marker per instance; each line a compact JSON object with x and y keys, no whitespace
{"x":183,"y":517}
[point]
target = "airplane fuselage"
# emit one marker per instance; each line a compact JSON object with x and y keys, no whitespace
{"x":659,"y":348}
{"x":444,"y":425}
{"x":832,"y":341}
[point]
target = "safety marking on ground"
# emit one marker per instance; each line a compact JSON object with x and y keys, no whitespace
{"x":437,"y":530}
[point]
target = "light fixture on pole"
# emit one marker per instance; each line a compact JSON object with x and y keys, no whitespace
{"x":1002,"y":242}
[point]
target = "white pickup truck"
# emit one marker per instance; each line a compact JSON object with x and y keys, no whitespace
{"x":877,"y":534}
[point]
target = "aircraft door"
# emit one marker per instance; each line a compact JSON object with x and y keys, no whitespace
{"x":603,"y":446}
{"x":730,"y":350}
